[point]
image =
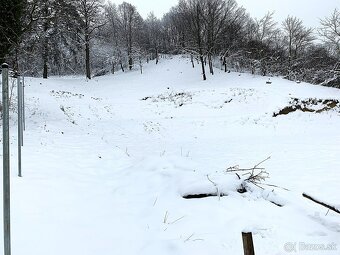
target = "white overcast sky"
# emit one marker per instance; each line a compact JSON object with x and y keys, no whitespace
{"x":310,"y":11}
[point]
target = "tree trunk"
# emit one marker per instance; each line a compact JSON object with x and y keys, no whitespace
{"x":199,"y":41}
{"x":130,"y":45}
{"x":45,"y":71}
{"x":87,"y":58}
{"x":192,"y":61}
{"x":16,"y":63}
{"x":225,"y":64}
{"x":45,"y":59}
{"x":45,"y":44}
{"x":130,"y":63}
{"x":141,"y":66}
{"x":157,"y":56}
{"x":211,"y":65}
{"x":203,"y":68}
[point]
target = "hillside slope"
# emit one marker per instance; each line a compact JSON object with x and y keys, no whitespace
{"x":107,"y":161}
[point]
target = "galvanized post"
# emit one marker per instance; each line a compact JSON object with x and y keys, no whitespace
{"x":6,"y":162}
{"x":19,"y":124}
{"x":23,"y":103}
{"x":22,"y":111}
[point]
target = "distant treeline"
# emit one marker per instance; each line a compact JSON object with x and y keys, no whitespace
{"x":91,"y":37}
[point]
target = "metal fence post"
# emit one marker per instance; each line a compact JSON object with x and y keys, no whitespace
{"x":20,"y":136}
{"x":6,"y":162}
{"x":23,"y":102}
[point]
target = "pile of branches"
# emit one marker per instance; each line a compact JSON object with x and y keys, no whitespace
{"x":255,"y":175}
{"x":251,"y":180}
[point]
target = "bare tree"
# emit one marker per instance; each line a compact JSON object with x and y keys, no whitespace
{"x":46,"y":28}
{"x":90,"y":13}
{"x":192,"y":13}
{"x":130,"y":23}
{"x":330,"y":31}
{"x":175,"y":28}
{"x":265,"y":28}
{"x":218,"y":14}
{"x":232,"y":26}
{"x":112,"y":35}
{"x":153,"y":26}
{"x":297,"y":37}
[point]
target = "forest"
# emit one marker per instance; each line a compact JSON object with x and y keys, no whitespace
{"x":91,"y":37}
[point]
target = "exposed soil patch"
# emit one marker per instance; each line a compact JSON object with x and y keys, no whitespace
{"x":309,"y":105}
{"x":65,"y":94}
{"x":178,"y":98}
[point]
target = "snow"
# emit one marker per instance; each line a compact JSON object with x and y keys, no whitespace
{"x":106,"y":164}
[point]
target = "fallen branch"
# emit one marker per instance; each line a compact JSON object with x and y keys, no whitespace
{"x":215,"y":184}
{"x":206,"y":195}
{"x":238,"y":169}
{"x":274,"y":186}
{"x":235,"y":169}
{"x":255,"y":175}
{"x":330,"y":207}
{"x":203,"y":195}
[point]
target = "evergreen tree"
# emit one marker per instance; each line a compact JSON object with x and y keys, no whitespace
{"x":11,"y":13}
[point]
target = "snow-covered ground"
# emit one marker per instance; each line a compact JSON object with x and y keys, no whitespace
{"x":107,"y":161}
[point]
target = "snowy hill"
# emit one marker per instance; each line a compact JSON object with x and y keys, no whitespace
{"x":107,"y":161}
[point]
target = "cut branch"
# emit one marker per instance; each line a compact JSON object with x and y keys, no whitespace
{"x":330,"y":207}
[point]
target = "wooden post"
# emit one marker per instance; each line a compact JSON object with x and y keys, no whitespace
{"x":6,"y":162}
{"x":248,"y":245}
